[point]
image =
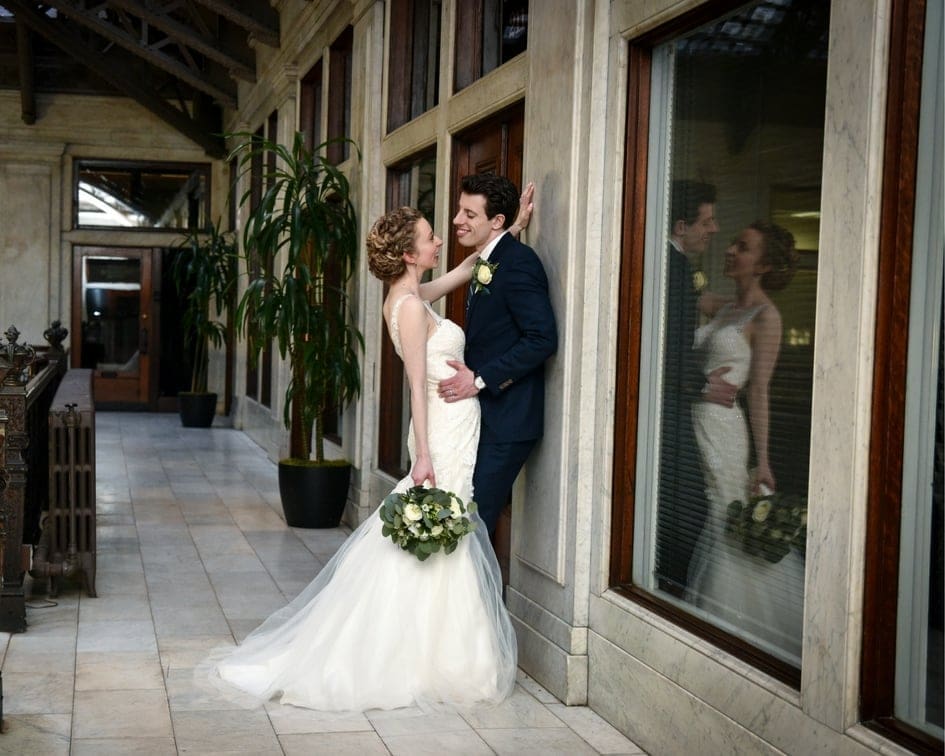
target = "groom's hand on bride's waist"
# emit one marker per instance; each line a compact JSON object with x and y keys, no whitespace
{"x":459,"y":386}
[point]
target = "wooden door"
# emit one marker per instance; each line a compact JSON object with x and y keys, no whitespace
{"x":494,"y":146}
{"x":113,"y":324}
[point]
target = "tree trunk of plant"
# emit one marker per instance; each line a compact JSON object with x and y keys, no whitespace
{"x":300,"y":438}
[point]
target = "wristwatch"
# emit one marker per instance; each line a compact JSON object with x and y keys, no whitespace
{"x":478,"y":382}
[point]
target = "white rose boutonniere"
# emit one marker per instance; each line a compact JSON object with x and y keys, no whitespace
{"x":699,"y":281}
{"x":482,"y":274}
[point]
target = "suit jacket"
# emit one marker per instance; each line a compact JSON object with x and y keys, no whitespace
{"x":510,"y":332}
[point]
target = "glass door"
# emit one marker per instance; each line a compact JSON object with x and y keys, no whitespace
{"x":112,"y":323}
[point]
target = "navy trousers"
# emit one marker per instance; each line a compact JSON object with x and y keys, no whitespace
{"x":497,"y":466}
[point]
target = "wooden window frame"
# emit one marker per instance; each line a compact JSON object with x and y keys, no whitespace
{"x":887,"y":433}
{"x":409,"y":61}
{"x":310,"y":105}
{"x":391,"y":395}
{"x":469,"y":34}
{"x":251,"y":388}
{"x":629,"y":343}
{"x":339,"y":96}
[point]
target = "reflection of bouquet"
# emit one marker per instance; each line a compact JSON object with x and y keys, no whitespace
{"x":424,"y":520}
{"x":769,"y":525}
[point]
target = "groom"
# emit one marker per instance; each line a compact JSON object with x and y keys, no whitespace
{"x":510,"y":332}
{"x":682,"y":502}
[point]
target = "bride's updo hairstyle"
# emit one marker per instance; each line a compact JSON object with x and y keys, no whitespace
{"x":392,"y":235}
{"x":779,"y":253}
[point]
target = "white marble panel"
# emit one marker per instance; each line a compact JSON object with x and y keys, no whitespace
{"x":843,"y":359}
{"x":694,"y":673}
{"x":25,"y":248}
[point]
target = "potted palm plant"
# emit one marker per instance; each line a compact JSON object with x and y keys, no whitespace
{"x":204,"y":273}
{"x":302,"y":238}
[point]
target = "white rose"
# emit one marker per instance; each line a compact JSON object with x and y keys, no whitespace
{"x":454,"y":509}
{"x":761,"y":510}
{"x":412,"y":512}
{"x":436,"y":530}
{"x":484,"y":275}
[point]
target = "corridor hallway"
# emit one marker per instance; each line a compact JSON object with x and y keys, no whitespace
{"x":192,"y":553}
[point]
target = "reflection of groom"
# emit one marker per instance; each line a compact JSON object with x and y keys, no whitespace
{"x":510,"y":332}
{"x":682,"y":501}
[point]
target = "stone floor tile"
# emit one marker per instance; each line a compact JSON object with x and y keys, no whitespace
{"x":207,"y":732}
{"x":121,"y":714}
{"x":99,"y":670}
{"x":292,"y":720}
{"x":46,"y":734}
{"x":416,"y":722}
{"x":195,"y":621}
{"x":123,"y":747}
{"x":184,"y":693}
{"x":437,"y":744}
{"x":601,"y":736}
{"x":532,"y":686}
{"x":186,"y":652}
{"x":117,"y":635}
{"x":334,"y":744}
{"x":520,"y":710}
{"x":539,"y":741}
{"x":118,"y":607}
{"x":37,"y":691}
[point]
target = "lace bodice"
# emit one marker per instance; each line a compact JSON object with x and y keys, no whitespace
{"x":447,"y":342}
{"x":452,"y":427}
{"x":723,"y":344}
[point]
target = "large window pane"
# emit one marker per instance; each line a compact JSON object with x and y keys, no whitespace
{"x":919,"y":657}
{"x":732,"y":216}
{"x":488,"y":34}
{"x":141,"y":195}
{"x":414,"y":70}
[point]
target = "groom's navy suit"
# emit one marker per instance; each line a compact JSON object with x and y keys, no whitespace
{"x":510,"y":332}
{"x":682,"y":500}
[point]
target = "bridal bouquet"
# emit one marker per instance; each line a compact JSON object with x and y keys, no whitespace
{"x":769,"y":525}
{"x":424,"y":520}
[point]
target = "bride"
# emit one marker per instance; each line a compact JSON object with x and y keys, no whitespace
{"x":741,"y":592}
{"x":377,"y":628}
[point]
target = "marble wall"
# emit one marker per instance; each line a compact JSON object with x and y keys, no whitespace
{"x":36,"y":235}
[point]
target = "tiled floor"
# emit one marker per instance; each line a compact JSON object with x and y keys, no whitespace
{"x":193,"y":552}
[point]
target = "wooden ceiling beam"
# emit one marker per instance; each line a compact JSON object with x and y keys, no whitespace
{"x":166,"y":63}
{"x":260,"y":21}
{"x":185,"y":35}
{"x":24,"y":55}
{"x":25,"y":11}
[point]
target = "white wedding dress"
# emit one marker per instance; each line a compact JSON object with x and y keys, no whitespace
{"x":377,"y":628}
{"x":739,"y":591}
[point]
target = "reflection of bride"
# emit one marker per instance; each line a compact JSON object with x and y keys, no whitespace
{"x":377,"y":628}
{"x":748,"y":595}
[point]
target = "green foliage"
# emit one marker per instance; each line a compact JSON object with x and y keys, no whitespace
{"x":204,"y":273}
{"x":769,"y":525}
{"x":424,"y":520}
{"x":301,"y":245}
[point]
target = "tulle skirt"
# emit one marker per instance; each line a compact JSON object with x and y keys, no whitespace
{"x":378,"y":629}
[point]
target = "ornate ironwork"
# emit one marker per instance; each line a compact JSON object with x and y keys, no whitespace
{"x":15,"y":359}
{"x":55,"y":335}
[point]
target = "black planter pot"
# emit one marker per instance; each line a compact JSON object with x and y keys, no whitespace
{"x":313,"y":496}
{"x":196,"y":410}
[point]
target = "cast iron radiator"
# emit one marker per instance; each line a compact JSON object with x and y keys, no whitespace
{"x":67,"y":544}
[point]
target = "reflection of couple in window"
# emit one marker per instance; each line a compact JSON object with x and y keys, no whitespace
{"x":733,"y":354}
